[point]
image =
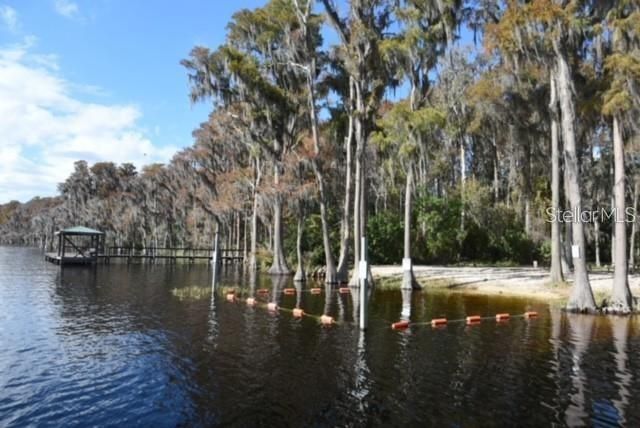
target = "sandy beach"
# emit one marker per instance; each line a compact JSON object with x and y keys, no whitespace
{"x":516,"y":281}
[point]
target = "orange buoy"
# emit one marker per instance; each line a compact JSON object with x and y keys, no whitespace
{"x":298,"y":313}
{"x":231,"y":297}
{"x":344,"y":290}
{"x":438,"y":322}
{"x":474,"y":319}
{"x":326,"y":319}
{"x":251,"y":301}
{"x":272,"y":306}
{"x":263,"y":291}
{"x":289,"y":291}
{"x":502,"y":317}
{"x":400,"y":325}
{"x":316,"y":290}
{"x":531,"y":314}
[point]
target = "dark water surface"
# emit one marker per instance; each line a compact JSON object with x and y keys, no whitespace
{"x":148,"y":345}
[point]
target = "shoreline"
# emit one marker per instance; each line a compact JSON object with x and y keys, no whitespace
{"x":526,"y":282}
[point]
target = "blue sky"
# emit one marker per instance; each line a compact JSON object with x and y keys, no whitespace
{"x":117,"y":59}
{"x":99,"y":80}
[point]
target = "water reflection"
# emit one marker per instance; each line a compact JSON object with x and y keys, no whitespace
{"x":115,"y":346}
{"x":580,"y":330}
{"x":279,"y":283}
{"x":555,"y":373}
{"x":405,"y":314}
{"x":328,"y":299}
{"x":354,"y":293}
{"x":298,"y":287}
{"x":361,"y":387}
{"x":623,"y":376}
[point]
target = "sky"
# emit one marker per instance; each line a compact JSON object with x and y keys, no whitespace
{"x":98,"y":80}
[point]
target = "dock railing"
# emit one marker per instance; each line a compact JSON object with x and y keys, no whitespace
{"x":172,"y":254}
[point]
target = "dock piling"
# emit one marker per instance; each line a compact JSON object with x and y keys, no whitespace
{"x":215,"y":259}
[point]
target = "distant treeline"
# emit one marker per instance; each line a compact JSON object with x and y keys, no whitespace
{"x":164,"y":206}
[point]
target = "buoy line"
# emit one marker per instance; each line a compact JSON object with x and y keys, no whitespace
{"x":232,"y":297}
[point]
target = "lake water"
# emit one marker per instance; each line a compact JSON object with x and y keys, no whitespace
{"x":145,"y":345}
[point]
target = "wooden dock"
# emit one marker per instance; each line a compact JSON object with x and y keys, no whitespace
{"x":69,"y":259}
{"x":81,"y":245}
{"x":77,"y":245}
{"x":170,"y":255}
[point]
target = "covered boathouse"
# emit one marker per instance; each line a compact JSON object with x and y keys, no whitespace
{"x":77,"y":245}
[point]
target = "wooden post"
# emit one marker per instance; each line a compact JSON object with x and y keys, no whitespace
{"x":63,"y":247}
{"x":244,"y":250}
{"x":215,"y":260}
{"x":363,"y":269}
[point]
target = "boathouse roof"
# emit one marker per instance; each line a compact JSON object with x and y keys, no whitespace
{"x":80,"y":230}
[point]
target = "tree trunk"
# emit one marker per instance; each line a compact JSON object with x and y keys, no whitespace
{"x":300,"y":274}
{"x":527,"y":215}
{"x":496,"y":176}
{"x":343,"y":260}
{"x":244,"y":237}
{"x":581,"y":298}
{"x":330,"y":265}
{"x":408,"y":278}
{"x":556,"y":263}
{"x":621,"y":300}
{"x":254,"y":218}
{"x":237,"y":214}
{"x":359,"y":187}
{"x":596,"y":239}
{"x":567,"y":265}
{"x":279,"y":266}
{"x":463,"y":179}
{"x":513,"y":172}
{"x":613,"y":231}
{"x":526,"y":188}
{"x":634,"y":227}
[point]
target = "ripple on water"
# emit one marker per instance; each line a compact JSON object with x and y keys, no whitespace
{"x":113,"y":346}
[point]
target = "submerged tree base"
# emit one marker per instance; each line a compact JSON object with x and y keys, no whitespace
{"x":279,"y":269}
{"x":330,"y":276}
{"x":409,"y":281}
{"x":617,"y":307}
{"x":578,"y":310}
{"x":300,"y":276}
{"x":607,"y":308}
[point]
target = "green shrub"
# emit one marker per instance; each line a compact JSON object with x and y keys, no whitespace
{"x":439,"y":229}
{"x":385,"y":234}
{"x":491,"y":232}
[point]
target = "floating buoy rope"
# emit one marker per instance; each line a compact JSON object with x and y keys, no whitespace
{"x":503,"y":317}
{"x":273,"y":307}
{"x":292,"y":291}
{"x":469,"y":320}
{"x":232,"y":296}
{"x":474,"y":319}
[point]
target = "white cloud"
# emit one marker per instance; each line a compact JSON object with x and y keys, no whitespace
{"x":44,"y":128}
{"x":9,"y":18}
{"x":66,"y":8}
